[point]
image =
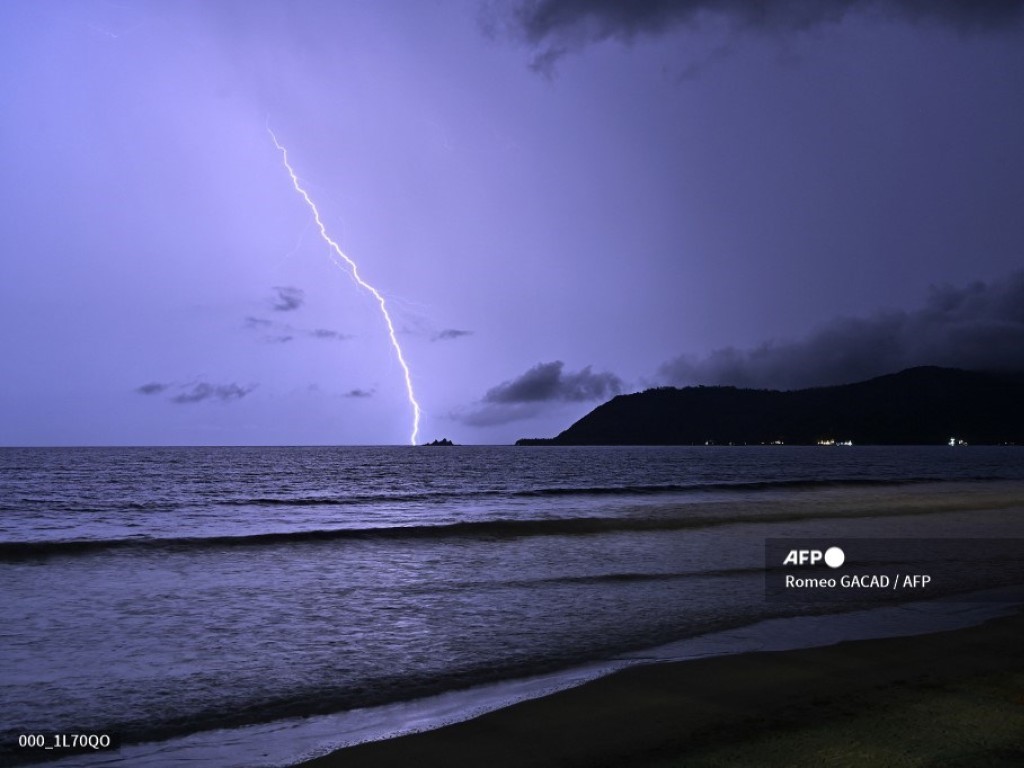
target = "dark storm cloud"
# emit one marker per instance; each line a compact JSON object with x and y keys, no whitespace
{"x":200,"y":391}
{"x":359,"y":393}
{"x":546,"y":381}
{"x":288,"y":299}
{"x":449,"y":334}
{"x":562,"y":26}
{"x":153,"y":388}
{"x":526,"y":396}
{"x":979,"y":327}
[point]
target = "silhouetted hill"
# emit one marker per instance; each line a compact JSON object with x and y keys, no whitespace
{"x":918,"y":406}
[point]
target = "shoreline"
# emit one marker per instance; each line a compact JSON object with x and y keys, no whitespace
{"x":297,"y":741}
{"x":953,"y":696}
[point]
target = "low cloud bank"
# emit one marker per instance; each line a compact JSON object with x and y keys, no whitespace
{"x":527,"y":395}
{"x":977,"y":327}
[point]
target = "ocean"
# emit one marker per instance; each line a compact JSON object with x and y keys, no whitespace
{"x":218,"y":606}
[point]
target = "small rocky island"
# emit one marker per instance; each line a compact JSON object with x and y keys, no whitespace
{"x":444,"y":441}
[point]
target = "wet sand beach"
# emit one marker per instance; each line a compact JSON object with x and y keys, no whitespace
{"x":946,"y":699}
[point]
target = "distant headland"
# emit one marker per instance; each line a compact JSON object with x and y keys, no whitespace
{"x":918,"y":406}
{"x":444,"y":441}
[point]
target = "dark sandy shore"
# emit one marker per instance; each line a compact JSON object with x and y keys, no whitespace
{"x":949,"y":699}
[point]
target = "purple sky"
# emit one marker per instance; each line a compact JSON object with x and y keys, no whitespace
{"x":559,"y":200}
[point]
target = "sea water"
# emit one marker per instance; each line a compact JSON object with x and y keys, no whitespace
{"x":167,"y":594}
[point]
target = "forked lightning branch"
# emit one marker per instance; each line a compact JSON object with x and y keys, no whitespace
{"x":354,"y":270}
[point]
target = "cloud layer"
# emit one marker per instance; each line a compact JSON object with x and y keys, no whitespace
{"x":153,"y":388}
{"x":448,"y":334}
{"x":359,"y":393}
{"x":288,"y":298}
{"x":979,"y":327}
{"x":561,"y":26}
{"x":546,"y":381}
{"x":279,"y":333}
{"x":525,"y":396}
{"x":198,"y":391}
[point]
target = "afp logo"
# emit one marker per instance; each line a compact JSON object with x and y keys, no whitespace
{"x":833,"y":557}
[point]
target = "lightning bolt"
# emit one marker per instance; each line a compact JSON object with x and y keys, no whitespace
{"x":353,"y":268}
